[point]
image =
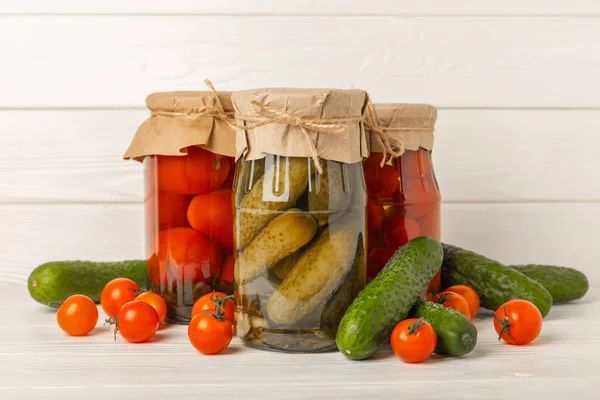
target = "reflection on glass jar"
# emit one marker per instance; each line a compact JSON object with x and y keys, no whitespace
{"x":300,"y":250}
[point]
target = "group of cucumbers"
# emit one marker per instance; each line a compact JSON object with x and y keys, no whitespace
{"x":389,"y":298}
{"x":394,"y":295}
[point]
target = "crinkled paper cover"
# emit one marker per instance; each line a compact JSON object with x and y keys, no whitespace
{"x":173,"y":134}
{"x":422,"y":117}
{"x":283,"y":139}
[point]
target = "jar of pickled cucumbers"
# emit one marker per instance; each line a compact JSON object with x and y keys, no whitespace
{"x":300,"y":204}
{"x":404,"y":197}
{"x":188,"y":152}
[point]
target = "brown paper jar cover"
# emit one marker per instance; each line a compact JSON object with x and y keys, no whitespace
{"x":421,"y":117}
{"x":175,"y":125}
{"x":282,"y":139}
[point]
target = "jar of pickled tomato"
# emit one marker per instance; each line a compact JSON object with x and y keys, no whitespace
{"x":404,"y":196}
{"x":187,"y":149}
{"x":300,"y":210}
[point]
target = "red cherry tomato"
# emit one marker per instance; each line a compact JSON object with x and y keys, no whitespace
{"x":399,"y":230}
{"x":200,"y":171}
{"x":116,"y":294}
{"x":184,"y":255}
{"x":381,"y":181}
{"x":413,"y":340}
{"x":518,"y":322}
{"x":228,"y":184}
{"x":469,"y":295}
{"x":212,"y":215}
{"x":374,"y":215}
{"x":137,"y":321}
{"x":208,"y":304}
{"x":77,"y":315}
{"x":157,"y":302}
{"x":377,"y":259}
{"x":208,"y":334}
{"x":454,"y":301}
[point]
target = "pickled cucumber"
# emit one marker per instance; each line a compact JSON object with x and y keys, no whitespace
{"x":329,"y":194}
{"x":286,"y":179}
{"x":318,"y":272}
{"x":337,"y":304}
{"x":281,"y":237}
{"x":284,"y":266}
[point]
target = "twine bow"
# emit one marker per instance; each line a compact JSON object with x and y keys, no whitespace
{"x":216,"y":110}
{"x":391,"y":145}
{"x":266,"y":115}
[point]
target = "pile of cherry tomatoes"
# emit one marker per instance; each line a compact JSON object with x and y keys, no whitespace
{"x":137,"y":315}
{"x":517,"y":322}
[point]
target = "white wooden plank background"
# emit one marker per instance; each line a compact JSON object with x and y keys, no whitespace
{"x":516,"y":156}
{"x":450,"y":62}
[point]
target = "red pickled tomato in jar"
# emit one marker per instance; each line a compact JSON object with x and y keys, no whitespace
{"x":381,"y":181}
{"x":399,"y":230}
{"x":377,"y":259}
{"x":170,"y":210}
{"x":374,"y":215}
{"x":200,"y":171}
{"x":184,"y":255}
{"x":212,"y":215}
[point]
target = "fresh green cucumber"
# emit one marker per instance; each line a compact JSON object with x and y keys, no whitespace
{"x":387,"y":299}
{"x":52,"y":282}
{"x":456,"y":334}
{"x":564,"y":284}
{"x":493,"y":282}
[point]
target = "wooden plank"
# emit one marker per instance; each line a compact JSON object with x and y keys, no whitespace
{"x":511,"y":233}
{"x":480,"y":155}
{"x":111,"y":61}
{"x":38,"y":359}
{"x":307,"y":7}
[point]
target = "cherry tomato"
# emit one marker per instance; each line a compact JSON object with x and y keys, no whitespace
{"x":454,"y":301}
{"x":469,"y":295}
{"x":212,"y":215}
{"x":208,"y":304}
{"x":381,"y":181}
{"x":77,"y":315}
{"x":413,"y":340}
{"x":209,"y":334}
{"x":377,"y":259}
{"x":137,"y":321}
{"x":226,"y":274}
{"x":518,"y":322}
{"x":373,"y":160}
{"x":200,"y":171}
{"x":171,"y":209}
{"x":374,"y":215}
{"x":157,"y":302}
{"x":117,"y":293}
{"x":184,"y":255}
{"x":399,"y":230}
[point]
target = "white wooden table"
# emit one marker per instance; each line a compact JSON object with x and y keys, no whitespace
{"x":38,"y":361}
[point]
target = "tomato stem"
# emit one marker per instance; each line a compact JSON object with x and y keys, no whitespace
{"x":414,"y":327}
{"x":441,"y":299}
{"x":113,"y":321}
{"x":505,"y":324}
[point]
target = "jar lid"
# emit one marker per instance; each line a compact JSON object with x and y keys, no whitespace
{"x":412,"y":124}
{"x":301,"y":123}
{"x":183,"y":119}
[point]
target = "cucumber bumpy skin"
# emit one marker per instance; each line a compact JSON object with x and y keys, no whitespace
{"x":387,"y":299}
{"x":456,"y":334}
{"x":52,"y":282}
{"x":493,"y":282}
{"x":564,"y":284}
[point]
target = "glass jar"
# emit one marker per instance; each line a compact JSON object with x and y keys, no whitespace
{"x":188,"y":199}
{"x":404,"y":196}
{"x":299,"y":235}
